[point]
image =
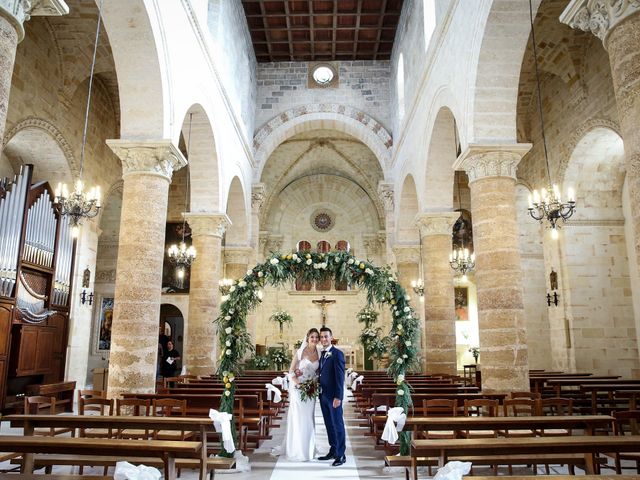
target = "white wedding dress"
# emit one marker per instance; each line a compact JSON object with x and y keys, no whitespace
{"x":299,"y":444}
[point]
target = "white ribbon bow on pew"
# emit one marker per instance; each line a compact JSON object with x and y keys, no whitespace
{"x":356,"y":382}
{"x":273,"y":392}
{"x":395,"y":423}
{"x":282,"y":381}
{"x":128,"y":471}
{"x":349,"y":370}
{"x":222,"y":423}
{"x":350,"y":377}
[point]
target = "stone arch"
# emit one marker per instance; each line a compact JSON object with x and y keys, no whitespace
{"x":503,"y":42}
{"x":237,"y":233}
{"x":441,"y":154}
{"x":137,"y":46}
{"x":204,"y":168}
{"x":408,"y":208}
{"x":26,"y":133}
{"x":322,"y":116}
{"x":598,"y":295}
{"x":569,"y":147}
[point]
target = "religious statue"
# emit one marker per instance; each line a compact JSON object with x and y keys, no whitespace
{"x":553,"y":279}
{"x":324,"y":303}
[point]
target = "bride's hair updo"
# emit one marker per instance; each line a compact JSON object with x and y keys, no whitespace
{"x":312,"y":330}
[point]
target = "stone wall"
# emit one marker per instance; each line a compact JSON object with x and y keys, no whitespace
{"x":234,"y":57}
{"x":363,"y":85}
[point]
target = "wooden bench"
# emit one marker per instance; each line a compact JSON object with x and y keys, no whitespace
{"x":32,"y":476}
{"x":202,"y":425}
{"x":162,"y":449}
{"x":63,"y":393}
{"x":495,"y":448}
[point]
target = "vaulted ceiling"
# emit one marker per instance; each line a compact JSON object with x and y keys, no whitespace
{"x":296,"y":30}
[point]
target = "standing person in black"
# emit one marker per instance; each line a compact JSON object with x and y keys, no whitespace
{"x":170,"y":361}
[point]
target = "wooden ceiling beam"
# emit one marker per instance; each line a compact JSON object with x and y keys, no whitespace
{"x":383,"y":7}
{"x":286,"y":11}
{"x":266,"y":27}
{"x":355,"y":38}
{"x":311,"y":32}
{"x":335,"y":31}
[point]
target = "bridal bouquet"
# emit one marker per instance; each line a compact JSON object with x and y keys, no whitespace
{"x":309,"y":389}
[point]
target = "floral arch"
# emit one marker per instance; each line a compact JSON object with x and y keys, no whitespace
{"x":382,"y":288}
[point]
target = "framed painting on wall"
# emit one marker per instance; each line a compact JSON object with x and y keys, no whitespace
{"x":105,"y":320}
{"x":461,"y":303}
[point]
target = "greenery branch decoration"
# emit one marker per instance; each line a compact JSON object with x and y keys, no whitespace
{"x":381,"y":287}
{"x":371,"y":338}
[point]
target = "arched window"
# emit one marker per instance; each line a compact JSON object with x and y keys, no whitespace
{"x":400,"y":87}
{"x":303,"y":247}
{"x":323,"y":247}
{"x":342,"y":246}
{"x":429,"y":20}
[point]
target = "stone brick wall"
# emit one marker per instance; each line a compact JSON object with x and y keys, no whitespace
{"x":363,"y":85}
{"x":234,"y":57}
{"x":593,"y":329}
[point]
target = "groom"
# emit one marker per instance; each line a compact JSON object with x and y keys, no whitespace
{"x":331,"y":392}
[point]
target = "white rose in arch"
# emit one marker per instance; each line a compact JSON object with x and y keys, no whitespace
{"x":350,"y":261}
{"x":260,"y":274}
{"x":309,"y":262}
{"x":228,"y":330}
{"x":408,"y":343}
{"x":399,"y":360}
{"x":294,"y":256}
{"x":407,"y":309}
{"x":405,"y":356}
{"x":242,"y":284}
{"x":227,"y":393}
{"x":228,"y":352}
{"x":274,"y":261}
{"x":400,"y":392}
{"x":228,"y":343}
{"x":232,"y":289}
{"x":249,"y":272}
{"x":228,"y":317}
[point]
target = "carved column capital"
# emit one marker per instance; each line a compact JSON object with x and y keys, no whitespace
{"x":19,"y":11}
{"x":385,"y":191}
{"x":599,"y":17}
{"x":372,"y":244}
{"x":491,"y":160}
{"x":238,"y":255}
{"x":159,"y":157}
{"x":274,"y":243}
{"x":207,"y":224}
{"x":436,"y":223}
{"x":407,"y":254}
{"x":258,"y":196}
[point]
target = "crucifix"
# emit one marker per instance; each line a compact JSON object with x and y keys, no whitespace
{"x":324,"y":303}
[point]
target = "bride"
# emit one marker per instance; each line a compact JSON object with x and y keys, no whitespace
{"x":299,"y":442}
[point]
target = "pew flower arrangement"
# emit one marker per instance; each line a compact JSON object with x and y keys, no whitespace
{"x":259,"y":362}
{"x":382,"y":288}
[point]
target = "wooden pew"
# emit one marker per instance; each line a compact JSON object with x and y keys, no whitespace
{"x":204,"y":426}
{"x":165,"y":450}
{"x":626,"y":401}
{"x":534,"y":446}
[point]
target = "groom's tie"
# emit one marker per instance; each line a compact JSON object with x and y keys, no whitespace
{"x":322,"y":358}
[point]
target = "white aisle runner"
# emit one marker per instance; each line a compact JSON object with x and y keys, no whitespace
{"x":315,"y":469}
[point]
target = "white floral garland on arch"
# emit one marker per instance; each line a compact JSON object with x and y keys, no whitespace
{"x":382,"y":288}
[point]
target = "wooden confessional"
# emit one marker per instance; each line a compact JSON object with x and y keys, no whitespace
{"x":36,"y":266}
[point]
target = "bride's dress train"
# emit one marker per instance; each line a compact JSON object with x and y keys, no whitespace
{"x":299,"y":442}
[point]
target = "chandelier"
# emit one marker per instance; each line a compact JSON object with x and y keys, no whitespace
{"x":462,"y":262}
{"x":547,"y":204}
{"x":181,"y":255}
{"x":80,"y":204}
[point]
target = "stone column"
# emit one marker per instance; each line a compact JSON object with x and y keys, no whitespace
{"x":617,"y":24}
{"x":201,"y":344}
{"x":258,"y":196}
{"x":147,"y":168}
{"x":439,"y":326}
{"x":503,"y":344}
{"x":13,"y":14}
{"x":386,"y":195}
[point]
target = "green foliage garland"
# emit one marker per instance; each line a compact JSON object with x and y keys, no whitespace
{"x":381,"y":288}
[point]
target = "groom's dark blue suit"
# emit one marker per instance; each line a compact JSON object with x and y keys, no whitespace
{"x":332,"y":386}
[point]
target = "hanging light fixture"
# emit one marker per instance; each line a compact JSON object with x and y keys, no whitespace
{"x":547,"y":204}
{"x":181,"y":255}
{"x":80,"y":204}
{"x":418,"y":285}
{"x":461,"y":261}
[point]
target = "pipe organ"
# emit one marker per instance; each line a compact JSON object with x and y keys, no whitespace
{"x":36,"y":267}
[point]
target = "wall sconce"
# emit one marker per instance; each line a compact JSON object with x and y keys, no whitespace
{"x":86,"y":298}
{"x":86,"y":281}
